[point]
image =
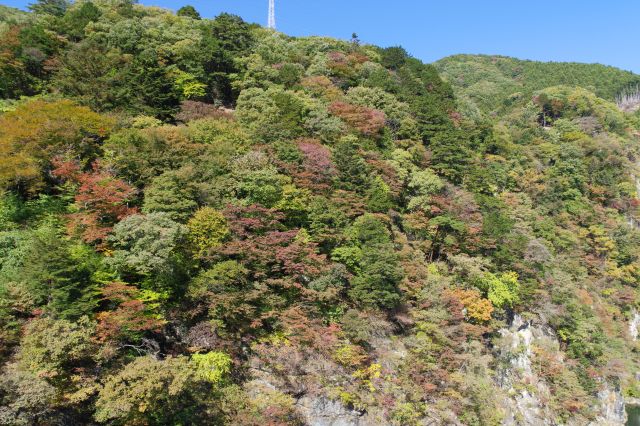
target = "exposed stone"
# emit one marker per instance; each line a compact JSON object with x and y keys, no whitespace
{"x":612,"y":409}
{"x":634,"y":324}
{"x":321,"y":411}
{"x":526,"y":390}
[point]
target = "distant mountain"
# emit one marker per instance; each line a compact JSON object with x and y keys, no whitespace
{"x":487,"y":83}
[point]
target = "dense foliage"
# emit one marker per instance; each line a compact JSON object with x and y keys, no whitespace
{"x":203,"y":221}
{"x":494,"y":83}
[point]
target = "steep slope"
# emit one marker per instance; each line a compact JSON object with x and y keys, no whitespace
{"x":207,"y":222}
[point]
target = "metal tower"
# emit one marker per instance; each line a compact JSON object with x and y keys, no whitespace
{"x":272,"y":14}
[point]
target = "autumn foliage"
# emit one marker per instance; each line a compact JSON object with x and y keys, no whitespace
{"x":127,"y":317}
{"x":101,"y":199}
{"x":203,"y":222}
{"x":39,"y":131}
{"x":365,"y":120}
{"x":317,"y":169}
{"x":477,"y":308}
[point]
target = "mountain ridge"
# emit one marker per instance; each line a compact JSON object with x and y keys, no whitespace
{"x":485,"y":82}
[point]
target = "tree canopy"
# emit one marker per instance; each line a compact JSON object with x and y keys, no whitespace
{"x":206,"y":222}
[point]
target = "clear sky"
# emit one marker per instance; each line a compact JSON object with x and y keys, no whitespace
{"x":604,"y":31}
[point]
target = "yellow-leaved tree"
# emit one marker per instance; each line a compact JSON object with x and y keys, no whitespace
{"x":38,"y":131}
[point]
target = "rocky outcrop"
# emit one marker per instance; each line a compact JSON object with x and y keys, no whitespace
{"x":629,"y":100}
{"x":314,"y":409}
{"x":612,"y":408}
{"x":526,"y":391}
{"x":322,"y":411}
{"x":634,"y":324}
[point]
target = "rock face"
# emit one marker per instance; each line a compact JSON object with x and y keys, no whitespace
{"x":612,"y":409}
{"x":524,"y":388}
{"x":321,"y":411}
{"x":634,"y":324}
{"x":526,"y":399}
{"x":313,"y":409}
{"x":633,"y":222}
{"x":629,"y":101}
{"x":527,"y":392}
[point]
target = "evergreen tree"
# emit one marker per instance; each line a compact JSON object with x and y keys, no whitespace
{"x":50,"y":7}
{"x":352,"y":169}
{"x":431,"y":99}
{"x":156,"y":93}
{"x":76,"y":19}
{"x":189,"y":12}
{"x":451,"y":154}
{"x":59,"y":274}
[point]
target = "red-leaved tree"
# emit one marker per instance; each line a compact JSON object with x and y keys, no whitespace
{"x":317,"y":170}
{"x":101,"y":199}
{"x":277,"y":267}
{"x":366,"y":120}
{"x":127,"y":317}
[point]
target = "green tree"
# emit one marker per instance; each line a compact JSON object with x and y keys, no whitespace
{"x":26,"y":399}
{"x":76,"y":19}
{"x":379,"y":196}
{"x":50,"y":7}
{"x":58,"y":274}
{"x":189,"y":12}
{"x":271,"y":114}
{"x":326,"y":223}
{"x":394,"y":57}
{"x":38,"y":46}
{"x":423,"y":185}
{"x":141,"y":155}
{"x":52,"y":348}
{"x":451,"y":154}
{"x":97,"y":76}
{"x":155,"y":91}
{"x":149,"y":245}
{"x":369,"y":253}
{"x":377,"y":283}
{"x":172,"y":391}
{"x":502,"y":290}
{"x":214,"y":367}
{"x":430,"y":99}
{"x":352,"y":169}
{"x":257,"y":180}
{"x":174,"y":193}
{"x":224,"y":39}
{"x":207,"y":230}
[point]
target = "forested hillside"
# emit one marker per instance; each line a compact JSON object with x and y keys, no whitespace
{"x":492,"y":84}
{"x":203,"y":221}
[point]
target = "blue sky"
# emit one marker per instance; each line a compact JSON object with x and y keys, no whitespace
{"x":604,"y":31}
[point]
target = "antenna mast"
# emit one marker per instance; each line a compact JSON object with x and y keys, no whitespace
{"x":272,"y":14}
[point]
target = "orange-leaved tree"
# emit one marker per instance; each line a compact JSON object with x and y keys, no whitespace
{"x":101,"y":199}
{"x":37,"y":131}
